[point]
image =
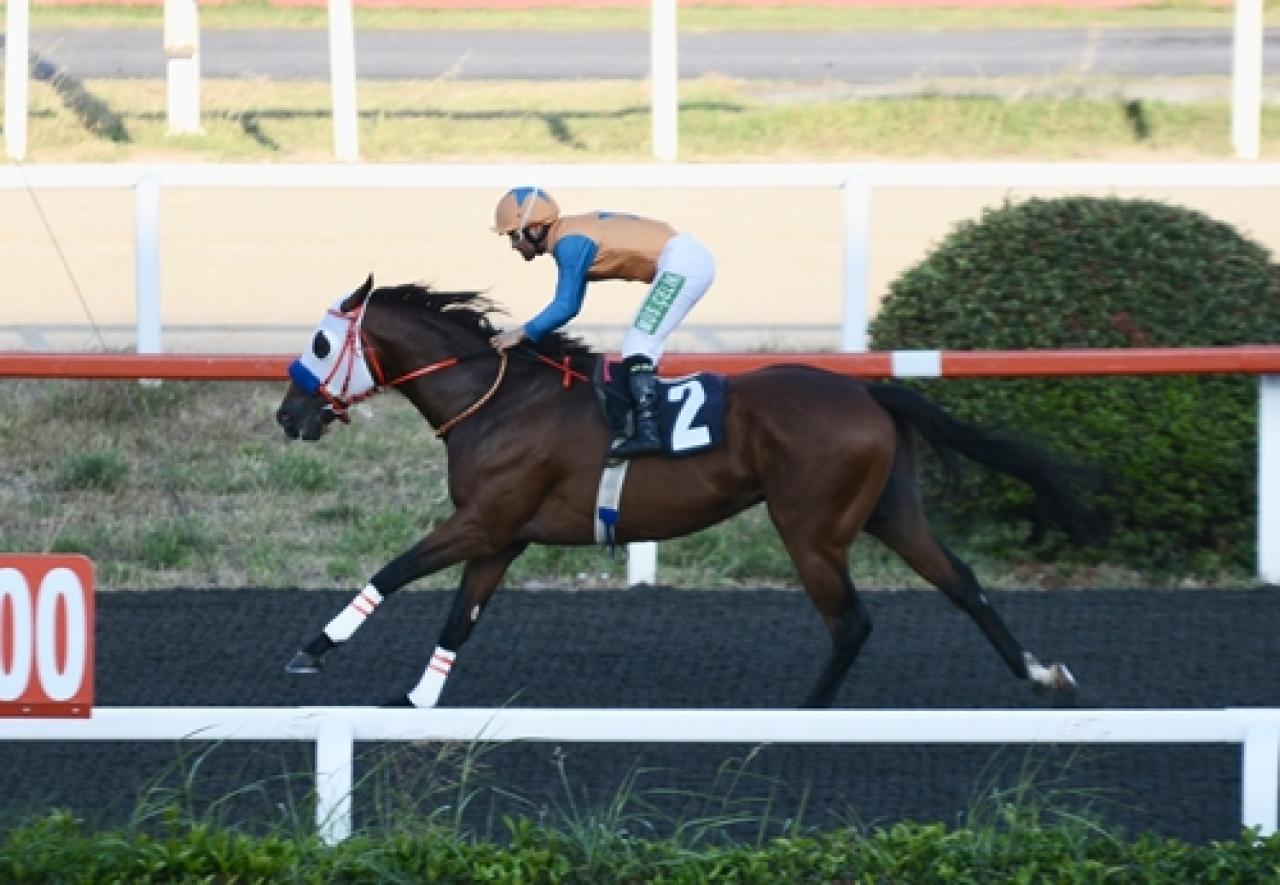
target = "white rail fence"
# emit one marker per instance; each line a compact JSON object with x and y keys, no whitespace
{"x":182,"y":51}
{"x":335,"y":730}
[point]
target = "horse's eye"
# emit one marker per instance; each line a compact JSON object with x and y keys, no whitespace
{"x":320,"y":347}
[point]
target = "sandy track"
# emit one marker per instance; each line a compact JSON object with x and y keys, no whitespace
{"x":270,"y":260}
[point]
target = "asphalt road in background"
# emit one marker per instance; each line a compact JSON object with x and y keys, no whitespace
{"x":863,"y":57}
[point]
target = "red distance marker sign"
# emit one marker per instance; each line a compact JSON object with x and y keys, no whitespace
{"x":46,"y":636}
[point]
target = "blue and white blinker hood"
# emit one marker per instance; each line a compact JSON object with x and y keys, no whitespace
{"x":334,"y":366}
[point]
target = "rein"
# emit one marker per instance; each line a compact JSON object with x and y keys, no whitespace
{"x":568,"y":374}
{"x":446,"y":363}
{"x":356,"y":345}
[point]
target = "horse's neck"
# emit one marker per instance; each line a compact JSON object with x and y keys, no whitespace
{"x":443,"y":395}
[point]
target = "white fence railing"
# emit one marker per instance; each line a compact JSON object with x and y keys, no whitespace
{"x":336,"y":729}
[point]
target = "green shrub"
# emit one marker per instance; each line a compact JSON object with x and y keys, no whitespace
{"x":58,"y":848}
{"x":1083,"y":272}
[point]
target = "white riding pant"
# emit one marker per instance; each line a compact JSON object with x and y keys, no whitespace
{"x":685,"y":271}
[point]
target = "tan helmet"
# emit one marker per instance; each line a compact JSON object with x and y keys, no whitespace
{"x":523,"y":206}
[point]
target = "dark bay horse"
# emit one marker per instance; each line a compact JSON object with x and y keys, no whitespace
{"x":829,"y":455}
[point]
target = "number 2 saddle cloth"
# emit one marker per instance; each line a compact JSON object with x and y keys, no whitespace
{"x":690,"y":409}
{"x":690,"y":419}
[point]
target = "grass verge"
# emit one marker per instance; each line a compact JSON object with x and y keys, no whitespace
{"x":609,"y":121}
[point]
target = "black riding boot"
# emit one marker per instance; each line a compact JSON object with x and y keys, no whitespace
{"x":645,"y":439}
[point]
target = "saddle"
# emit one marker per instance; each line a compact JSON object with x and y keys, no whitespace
{"x":690,"y":409}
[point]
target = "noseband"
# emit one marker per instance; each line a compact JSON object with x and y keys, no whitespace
{"x":356,"y":347}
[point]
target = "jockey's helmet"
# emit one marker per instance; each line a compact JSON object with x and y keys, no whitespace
{"x":523,"y":206}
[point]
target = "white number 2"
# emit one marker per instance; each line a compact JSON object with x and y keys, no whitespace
{"x":685,"y":434}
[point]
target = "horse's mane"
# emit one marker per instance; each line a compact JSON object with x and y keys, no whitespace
{"x":472,"y":312}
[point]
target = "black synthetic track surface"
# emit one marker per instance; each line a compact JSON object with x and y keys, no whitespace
{"x":669,"y":648}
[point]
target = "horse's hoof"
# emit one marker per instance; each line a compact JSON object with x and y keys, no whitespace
{"x":305,"y":663}
{"x":398,"y":702}
{"x":1063,"y":682}
{"x":1056,"y":683}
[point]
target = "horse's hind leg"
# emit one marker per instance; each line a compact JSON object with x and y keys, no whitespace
{"x":848,"y":623}
{"x":480,"y":577}
{"x":820,"y":564}
{"x":899,"y":522}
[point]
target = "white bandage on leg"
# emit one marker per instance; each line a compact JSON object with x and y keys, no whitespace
{"x":427,"y":692}
{"x":351,"y":617}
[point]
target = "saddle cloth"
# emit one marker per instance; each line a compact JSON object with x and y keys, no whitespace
{"x":690,"y":409}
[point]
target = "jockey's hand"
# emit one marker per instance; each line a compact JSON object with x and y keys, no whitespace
{"x":508,"y":338}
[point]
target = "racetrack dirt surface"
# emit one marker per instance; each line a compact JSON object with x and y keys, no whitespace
{"x":656,"y":647}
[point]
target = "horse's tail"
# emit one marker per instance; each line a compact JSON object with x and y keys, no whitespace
{"x":1054,"y":481}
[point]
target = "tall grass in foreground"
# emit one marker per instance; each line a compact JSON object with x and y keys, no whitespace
{"x":423,"y":830}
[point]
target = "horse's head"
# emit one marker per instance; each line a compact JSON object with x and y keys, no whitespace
{"x":332,"y":373}
{"x":415,"y":332}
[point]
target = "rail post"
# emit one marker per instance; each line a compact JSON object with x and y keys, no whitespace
{"x":146,"y":220}
{"x":17,"y":62}
{"x":342,"y":76}
{"x":1269,"y":479}
{"x":642,"y":563}
{"x":1260,"y":777}
{"x":335,"y":760}
{"x":855,"y":192}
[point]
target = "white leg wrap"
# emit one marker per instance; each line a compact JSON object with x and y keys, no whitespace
{"x":1036,"y":671}
{"x":427,"y":692}
{"x":341,"y":628}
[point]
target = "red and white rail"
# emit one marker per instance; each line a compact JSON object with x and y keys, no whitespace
{"x":1255,"y":359}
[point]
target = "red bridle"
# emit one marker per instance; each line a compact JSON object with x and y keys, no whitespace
{"x":355,"y":345}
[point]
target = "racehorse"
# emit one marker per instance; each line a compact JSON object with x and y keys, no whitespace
{"x":829,"y":455}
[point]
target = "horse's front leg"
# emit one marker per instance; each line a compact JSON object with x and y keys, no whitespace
{"x":480,"y":577}
{"x":453,"y":541}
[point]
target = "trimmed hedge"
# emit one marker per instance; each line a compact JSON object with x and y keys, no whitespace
{"x":57,"y":849}
{"x":1180,"y":451}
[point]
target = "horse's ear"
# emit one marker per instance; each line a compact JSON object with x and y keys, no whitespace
{"x":356,"y":298}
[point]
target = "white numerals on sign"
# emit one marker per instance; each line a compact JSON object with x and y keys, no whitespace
{"x":34,"y":635}
{"x":685,"y":434}
{"x":15,"y":603}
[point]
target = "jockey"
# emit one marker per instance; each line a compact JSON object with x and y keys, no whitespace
{"x":610,"y":246}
